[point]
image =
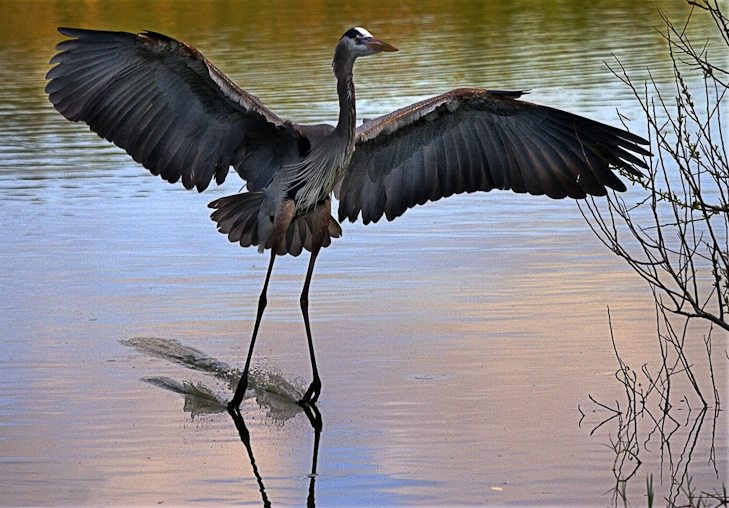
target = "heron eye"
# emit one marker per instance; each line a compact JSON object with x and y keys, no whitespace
{"x":356,"y":39}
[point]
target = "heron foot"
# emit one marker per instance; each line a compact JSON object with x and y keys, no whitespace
{"x":312,"y":394}
{"x":240,"y":392}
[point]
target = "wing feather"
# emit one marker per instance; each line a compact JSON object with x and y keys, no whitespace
{"x":168,"y":107}
{"x":469,"y":140}
{"x":430,"y":166}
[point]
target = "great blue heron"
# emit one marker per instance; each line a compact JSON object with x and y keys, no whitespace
{"x":178,"y":115}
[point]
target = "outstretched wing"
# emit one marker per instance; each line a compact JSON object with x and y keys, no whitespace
{"x":469,"y":140}
{"x":168,"y":107}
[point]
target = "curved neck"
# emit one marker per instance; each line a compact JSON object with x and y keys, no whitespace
{"x":343,"y":65}
{"x":347,"y":108}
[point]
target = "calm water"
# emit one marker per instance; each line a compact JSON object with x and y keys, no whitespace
{"x":458,"y":345}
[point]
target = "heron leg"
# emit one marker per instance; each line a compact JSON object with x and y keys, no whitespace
{"x":240,"y":391}
{"x":322,"y":216}
{"x":312,"y":394}
{"x":281,"y":221}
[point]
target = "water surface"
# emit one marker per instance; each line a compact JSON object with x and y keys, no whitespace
{"x":458,"y":345}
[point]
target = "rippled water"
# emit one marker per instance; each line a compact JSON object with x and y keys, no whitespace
{"x":457,"y":345}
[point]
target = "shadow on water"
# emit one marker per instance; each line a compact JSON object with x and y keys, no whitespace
{"x":272,"y":392}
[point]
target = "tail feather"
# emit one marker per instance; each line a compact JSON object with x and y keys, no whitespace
{"x":237,"y":217}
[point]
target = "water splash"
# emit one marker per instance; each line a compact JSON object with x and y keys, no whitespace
{"x":278,"y":395}
{"x":271,"y":390}
{"x":199,"y":399}
{"x":173,"y":351}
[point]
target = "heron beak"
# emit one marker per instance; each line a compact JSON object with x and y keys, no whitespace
{"x":378,"y":45}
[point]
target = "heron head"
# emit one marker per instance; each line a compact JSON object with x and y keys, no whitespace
{"x":360,"y":42}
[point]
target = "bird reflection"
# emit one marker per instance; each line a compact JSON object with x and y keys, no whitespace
{"x":272,"y":392}
{"x":314,"y":416}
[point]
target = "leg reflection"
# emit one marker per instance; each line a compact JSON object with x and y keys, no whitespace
{"x":245,"y":437}
{"x":314,"y":416}
{"x":312,"y":413}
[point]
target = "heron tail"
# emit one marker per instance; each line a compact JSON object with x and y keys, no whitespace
{"x":237,"y":216}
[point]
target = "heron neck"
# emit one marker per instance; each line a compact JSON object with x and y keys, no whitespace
{"x":347,"y":109}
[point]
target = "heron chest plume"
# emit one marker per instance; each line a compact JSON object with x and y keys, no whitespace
{"x":314,"y":178}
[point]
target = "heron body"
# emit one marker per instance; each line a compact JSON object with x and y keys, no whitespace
{"x":178,"y":115}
